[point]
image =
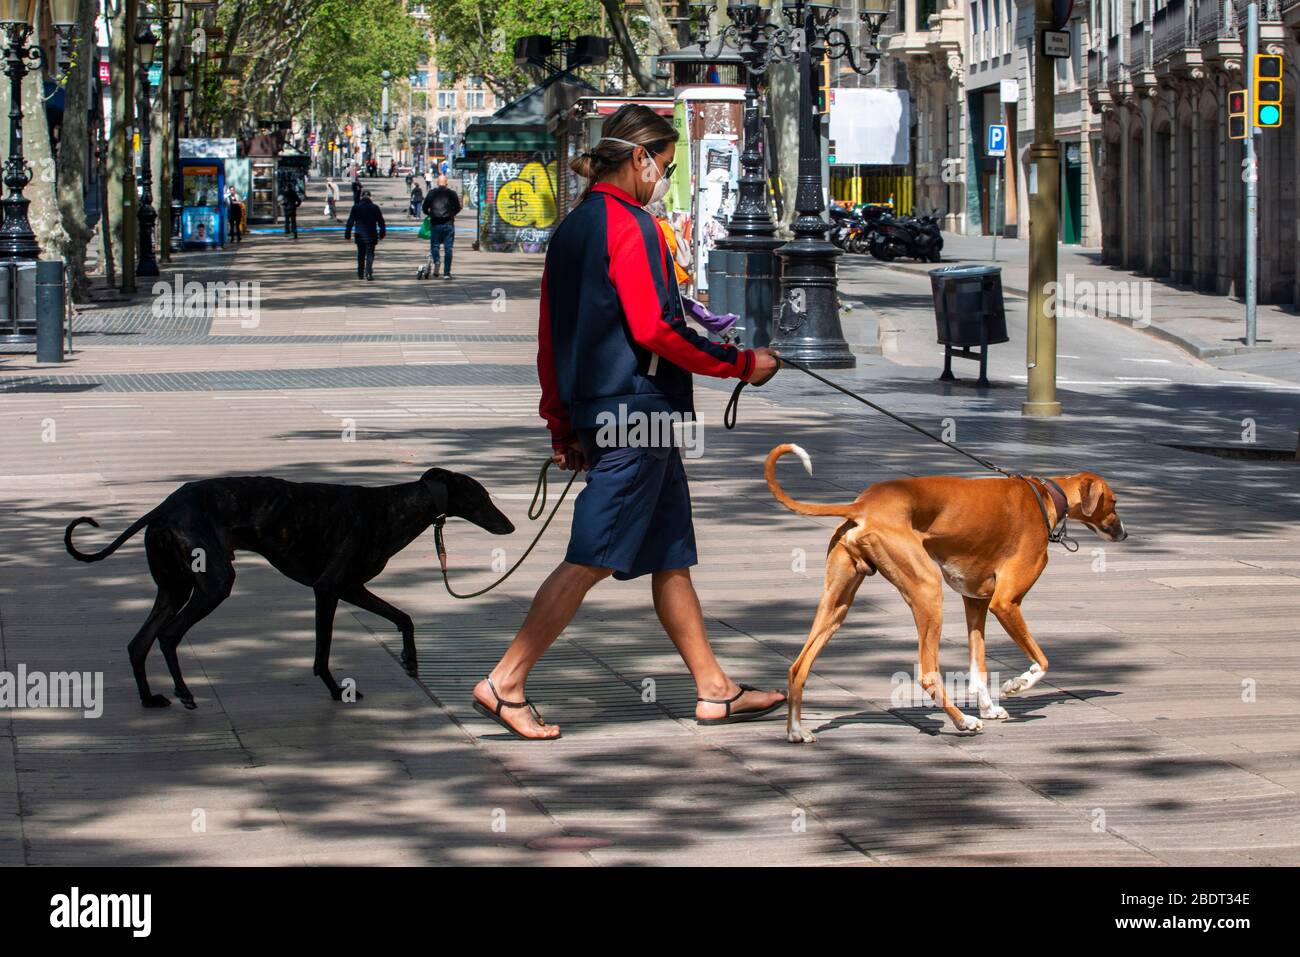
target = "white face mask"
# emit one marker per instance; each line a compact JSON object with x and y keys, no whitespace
{"x":662,"y":184}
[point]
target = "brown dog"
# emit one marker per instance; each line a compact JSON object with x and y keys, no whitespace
{"x":987,"y":538}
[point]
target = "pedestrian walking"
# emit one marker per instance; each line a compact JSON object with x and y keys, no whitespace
{"x":613,"y":346}
{"x":417,"y":201}
{"x":235,"y":213}
{"x":428,"y":181}
{"x":441,"y":206}
{"x":332,"y":200}
{"x":356,"y":190}
{"x":289,"y":203}
{"x":366,"y":222}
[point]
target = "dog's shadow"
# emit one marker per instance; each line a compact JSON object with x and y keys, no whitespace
{"x":932,"y":721}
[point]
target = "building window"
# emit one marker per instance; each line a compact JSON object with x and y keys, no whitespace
{"x":420,"y":79}
{"x":446,"y":99}
{"x":475,"y":99}
{"x":445,"y":78}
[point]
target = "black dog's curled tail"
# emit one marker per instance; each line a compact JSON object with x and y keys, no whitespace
{"x":100,"y":555}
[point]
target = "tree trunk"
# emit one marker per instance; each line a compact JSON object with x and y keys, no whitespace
{"x":614,"y":8}
{"x":115,"y":161}
{"x":660,"y":27}
{"x":783,"y":104}
{"x":75,"y":147}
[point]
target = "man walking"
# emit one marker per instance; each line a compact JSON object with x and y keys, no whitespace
{"x":290,"y":203}
{"x":356,"y":188}
{"x":368,"y":221}
{"x":441,"y":206}
{"x":236,"y":214}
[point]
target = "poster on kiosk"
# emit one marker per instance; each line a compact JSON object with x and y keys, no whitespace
{"x":203,"y":186}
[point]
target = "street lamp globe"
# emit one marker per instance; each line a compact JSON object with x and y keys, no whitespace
{"x":64,"y":13}
{"x":16,"y":11}
{"x":146,"y":42}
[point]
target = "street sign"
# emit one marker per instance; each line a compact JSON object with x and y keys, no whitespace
{"x":1237,"y":115}
{"x":1009,"y":91}
{"x":155,"y":74}
{"x":1056,"y":44}
{"x":996,"y":144}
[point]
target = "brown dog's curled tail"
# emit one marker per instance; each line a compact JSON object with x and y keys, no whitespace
{"x":802,"y":508}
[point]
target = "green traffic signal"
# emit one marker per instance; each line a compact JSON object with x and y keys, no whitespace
{"x":1269,"y":115}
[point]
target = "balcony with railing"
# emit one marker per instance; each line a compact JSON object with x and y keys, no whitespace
{"x":1173,"y":30}
{"x":1216,"y":21}
{"x":1139,"y":55}
{"x":1114,"y":59}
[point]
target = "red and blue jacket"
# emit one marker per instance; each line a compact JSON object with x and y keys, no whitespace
{"x":612,"y":332}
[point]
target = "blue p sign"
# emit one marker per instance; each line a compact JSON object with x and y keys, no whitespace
{"x":997,"y":140}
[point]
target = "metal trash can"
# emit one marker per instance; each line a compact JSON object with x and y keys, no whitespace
{"x":968,"y":314}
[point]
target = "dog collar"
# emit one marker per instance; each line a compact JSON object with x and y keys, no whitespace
{"x":1059,"y":532}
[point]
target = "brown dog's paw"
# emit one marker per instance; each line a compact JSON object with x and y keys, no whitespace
{"x":969,"y":725}
{"x":800,"y":736}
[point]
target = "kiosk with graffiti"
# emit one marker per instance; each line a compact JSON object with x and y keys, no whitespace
{"x":518,"y":208}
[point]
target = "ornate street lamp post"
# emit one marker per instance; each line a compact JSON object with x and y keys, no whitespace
{"x":147,"y":217}
{"x":17,"y":241}
{"x":807,"y":323}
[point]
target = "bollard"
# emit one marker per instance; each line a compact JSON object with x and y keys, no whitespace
{"x":49,"y":310}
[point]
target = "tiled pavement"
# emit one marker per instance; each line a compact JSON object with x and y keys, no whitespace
{"x":1164,"y":732}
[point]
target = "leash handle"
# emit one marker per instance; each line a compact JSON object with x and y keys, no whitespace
{"x":534,"y":512}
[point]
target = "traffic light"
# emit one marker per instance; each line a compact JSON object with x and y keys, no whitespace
{"x":1237,"y":115}
{"x":1268,"y":90}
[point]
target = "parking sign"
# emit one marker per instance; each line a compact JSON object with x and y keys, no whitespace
{"x":997,"y":140}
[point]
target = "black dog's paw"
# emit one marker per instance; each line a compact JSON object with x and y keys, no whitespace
{"x":188,"y":701}
{"x":156,"y":701}
{"x":411,"y":664}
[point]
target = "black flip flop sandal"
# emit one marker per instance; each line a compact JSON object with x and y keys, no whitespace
{"x":483,"y":709}
{"x":732,"y":717}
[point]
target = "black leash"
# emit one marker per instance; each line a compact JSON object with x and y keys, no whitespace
{"x":1058,"y":533}
{"x":535,"y":510}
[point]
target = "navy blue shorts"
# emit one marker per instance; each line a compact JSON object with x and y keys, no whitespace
{"x":634,"y":515}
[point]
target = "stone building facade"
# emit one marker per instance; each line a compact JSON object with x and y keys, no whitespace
{"x":961,"y":55}
{"x":1172,"y":181}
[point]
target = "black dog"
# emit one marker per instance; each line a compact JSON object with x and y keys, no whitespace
{"x":332,"y":538}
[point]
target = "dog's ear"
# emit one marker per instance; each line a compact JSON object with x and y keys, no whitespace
{"x":1089,"y":493}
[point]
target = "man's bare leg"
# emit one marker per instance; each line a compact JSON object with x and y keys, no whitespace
{"x":678,"y":608}
{"x":554,"y":606}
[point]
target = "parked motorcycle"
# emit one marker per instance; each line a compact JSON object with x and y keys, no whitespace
{"x":913,"y":237}
{"x":850,"y":227}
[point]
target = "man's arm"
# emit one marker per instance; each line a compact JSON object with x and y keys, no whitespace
{"x":653,"y":328}
{"x":352,"y":218}
{"x":552,"y":405}
{"x":379,"y":216}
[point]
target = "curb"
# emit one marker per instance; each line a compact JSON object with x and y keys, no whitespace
{"x":1189,"y":344}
